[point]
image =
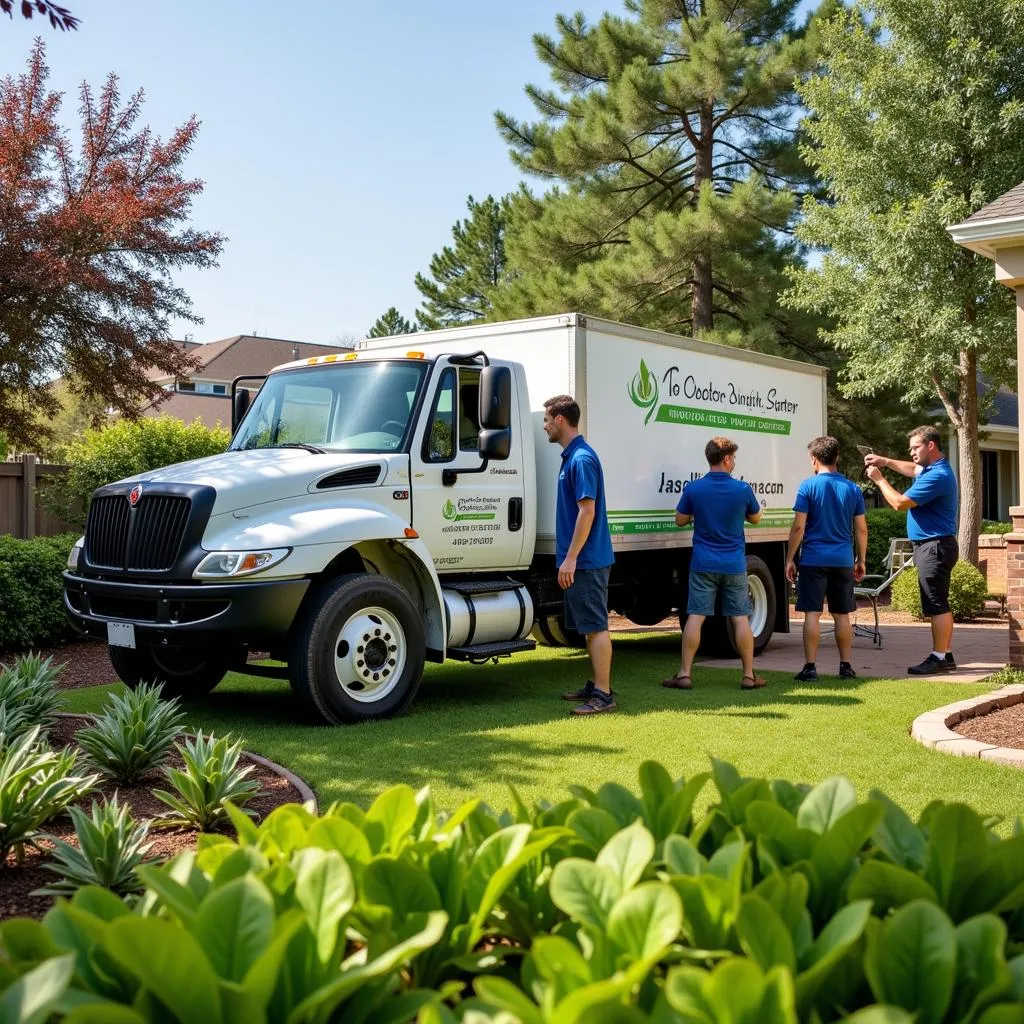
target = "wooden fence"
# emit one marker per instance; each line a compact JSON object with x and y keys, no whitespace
{"x":23,"y":512}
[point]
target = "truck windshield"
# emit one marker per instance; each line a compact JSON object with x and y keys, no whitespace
{"x":341,"y":407}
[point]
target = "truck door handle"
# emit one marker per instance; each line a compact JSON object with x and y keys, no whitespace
{"x":515,"y":514}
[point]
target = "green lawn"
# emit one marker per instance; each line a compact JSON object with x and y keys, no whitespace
{"x":473,"y":730}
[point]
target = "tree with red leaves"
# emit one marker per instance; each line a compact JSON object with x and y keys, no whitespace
{"x":60,"y":17}
{"x":88,"y":241}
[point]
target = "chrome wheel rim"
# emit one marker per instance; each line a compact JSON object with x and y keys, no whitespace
{"x":370,"y":653}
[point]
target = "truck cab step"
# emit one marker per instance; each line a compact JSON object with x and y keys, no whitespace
{"x":480,"y":586}
{"x":484,"y":652}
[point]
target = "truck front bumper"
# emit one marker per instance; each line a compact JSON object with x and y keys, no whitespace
{"x":259,"y":613}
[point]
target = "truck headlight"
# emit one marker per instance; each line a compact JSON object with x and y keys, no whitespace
{"x":75,"y":553}
{"x":221,"y":564}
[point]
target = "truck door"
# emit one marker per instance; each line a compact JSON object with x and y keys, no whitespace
{"x":469,"y":520}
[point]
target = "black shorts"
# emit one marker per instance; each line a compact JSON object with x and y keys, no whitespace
{"x":817,"y":582}
{"x":934,"y":560}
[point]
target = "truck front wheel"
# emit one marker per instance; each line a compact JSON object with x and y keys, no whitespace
{"x":180,"y":673}
{"x":551,"y":631}
{"x":358,"y":652}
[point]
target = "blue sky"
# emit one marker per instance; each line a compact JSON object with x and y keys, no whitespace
{"x":339,"y":139}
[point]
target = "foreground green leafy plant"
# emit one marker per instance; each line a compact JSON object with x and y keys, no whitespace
{"x":211,"y":777}
{"x":132,"y":735}
{"x":29,"y":694}
{"x":111,"y":845}
{"x":782,"y":903}
{"x":36,"y":785}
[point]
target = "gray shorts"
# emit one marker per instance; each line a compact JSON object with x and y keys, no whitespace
{"x":706,"y":586}
{"x":586,"y":601}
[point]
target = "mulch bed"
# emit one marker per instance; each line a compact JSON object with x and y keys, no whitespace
{"x":18,"y":881}
{"x":86,"y":663}
{"x":1004,"y":728}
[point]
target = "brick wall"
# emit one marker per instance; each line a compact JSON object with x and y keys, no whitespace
{"x":992,"y":561}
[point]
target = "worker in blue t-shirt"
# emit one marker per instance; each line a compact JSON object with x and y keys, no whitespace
{"x":828,"y":515}
{"x":583,"y":550}
{"x":718,"y":506}
{"x":931,"y":503}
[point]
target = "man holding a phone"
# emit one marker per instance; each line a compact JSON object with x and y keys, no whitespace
{"x":931,"y":503}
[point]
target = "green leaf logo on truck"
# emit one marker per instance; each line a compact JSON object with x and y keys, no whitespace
{"x":643,"y":391}
{"x":449,"y":511}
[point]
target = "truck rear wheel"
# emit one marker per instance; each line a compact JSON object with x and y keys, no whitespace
{"x":551,"y":631}
{"x":718,"y":638}
{"x":358,"y":652}
{"x":180,"y":673}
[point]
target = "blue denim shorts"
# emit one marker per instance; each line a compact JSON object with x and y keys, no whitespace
{"x":705,"y":588}
{"x":586,"y":601}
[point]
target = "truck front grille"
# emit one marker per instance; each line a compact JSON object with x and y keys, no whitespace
{"x":147,"y":537}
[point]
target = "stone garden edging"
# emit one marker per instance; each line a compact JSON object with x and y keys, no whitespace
{"x":932,"y":729}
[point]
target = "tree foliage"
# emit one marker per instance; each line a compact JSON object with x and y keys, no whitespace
{"x":670,"y":137}
{"x":464,"y":275}
{"x":60,"y":17}
{"x":390,"y":323}
{"x":88,"y":242}
{"x":915,"y":123}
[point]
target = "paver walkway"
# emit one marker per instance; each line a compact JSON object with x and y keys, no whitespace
{"x":979,"y":648}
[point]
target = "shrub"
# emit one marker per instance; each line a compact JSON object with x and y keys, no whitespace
{"x":111,"y":845}
{"x":995,"y":526}
{"x":780,"y":902}
{"x":967,"y":589}
{"x":29,"y":695}
{"x":211,"y":777}
{"x":132,"y":735}
{"x":35,"y":786}
{"x":32,"y":611}
{"x":883,"y":525}
{"x":125,"y":449}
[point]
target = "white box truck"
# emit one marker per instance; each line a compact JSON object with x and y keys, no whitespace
{"x":394,"y":505}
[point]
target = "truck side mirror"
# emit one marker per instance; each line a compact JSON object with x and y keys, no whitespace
{"x":495,"y":401}
{"x":495,"y":444}
{"x":240,"y":406}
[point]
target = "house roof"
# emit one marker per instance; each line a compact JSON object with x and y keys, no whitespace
{"x":1003,"y":412}
{"x":1009,"y":204}
{"x":245,"y":353}
{"x":211,"y":410}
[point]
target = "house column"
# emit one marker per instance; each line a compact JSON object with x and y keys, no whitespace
{"x":1015,"y":540}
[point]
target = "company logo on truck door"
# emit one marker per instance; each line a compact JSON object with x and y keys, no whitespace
{"x":643,"y":391}
{"x":465,"y":509}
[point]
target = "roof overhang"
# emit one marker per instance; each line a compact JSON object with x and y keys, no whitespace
{"x":987,"y":237}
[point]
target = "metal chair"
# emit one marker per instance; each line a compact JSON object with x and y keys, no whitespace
{"x":899,"y":558}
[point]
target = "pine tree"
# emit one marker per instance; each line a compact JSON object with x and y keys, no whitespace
{"x":390,"y":323}
{"x":671,"y":134}
{"x":463,"y":276}
{"x":915,"y":123}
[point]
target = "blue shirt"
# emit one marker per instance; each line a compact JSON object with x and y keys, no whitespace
{"x":582,"y":477}
{"x":935,"y":492}
{"x":719,"y":506}
{"x":830,"y":501}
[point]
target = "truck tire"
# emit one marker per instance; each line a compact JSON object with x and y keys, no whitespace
{"x":718,"y":639}
{"x":551,"y":631}
{"x":358,"y":652}
{"x":184,"y":674}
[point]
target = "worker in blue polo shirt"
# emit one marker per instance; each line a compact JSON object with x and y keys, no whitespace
{"x":583,"y":550}
{"x":931,"y":503}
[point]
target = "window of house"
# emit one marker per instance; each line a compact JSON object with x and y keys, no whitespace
{"x":220,"y":389}
{"x":439,"y":443}
{"x":990,"y":485}
{"x":186,"y":385}
{"x":469,"y":410}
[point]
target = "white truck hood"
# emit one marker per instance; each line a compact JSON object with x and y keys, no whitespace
{"x":246,"y":478}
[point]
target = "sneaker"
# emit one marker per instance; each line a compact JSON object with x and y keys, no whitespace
{"x":846,"y":670}
{"x":598,"y":702}
{"x":808,"y":674}
{"x":931,"y":666}
{"x":582,"y":694}
{"x":949,"y":660}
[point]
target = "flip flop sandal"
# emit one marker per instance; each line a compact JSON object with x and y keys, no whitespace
{"x":756,"y":682}
{"x":678,"y":683}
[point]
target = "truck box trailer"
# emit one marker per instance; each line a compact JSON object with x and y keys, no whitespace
{"x":394,"y":505}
